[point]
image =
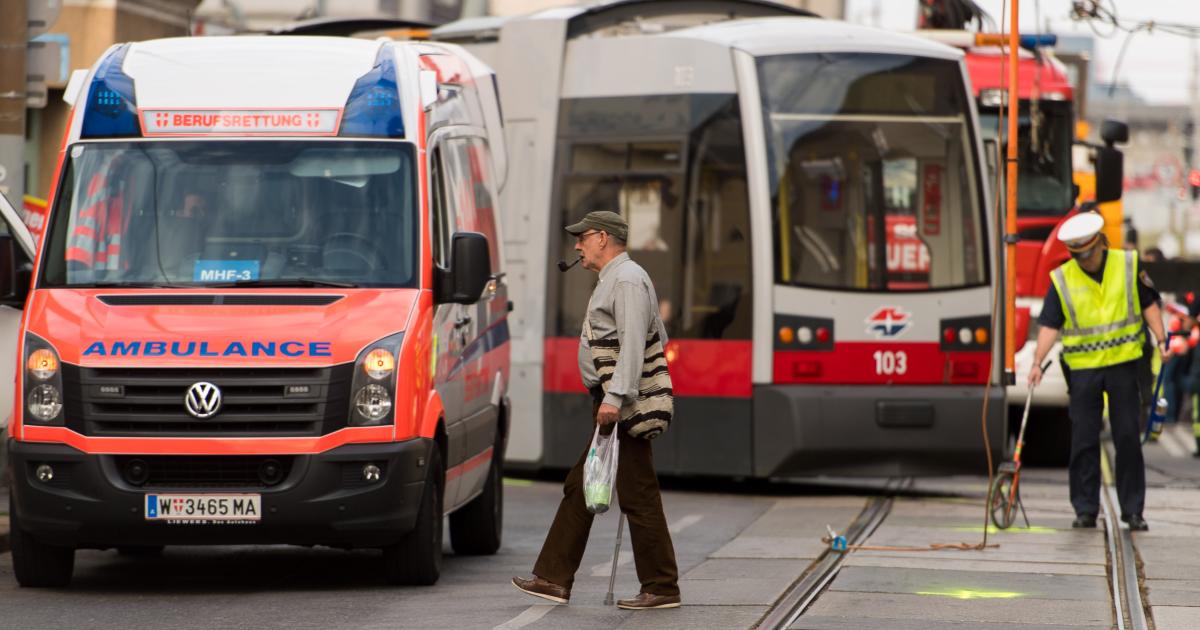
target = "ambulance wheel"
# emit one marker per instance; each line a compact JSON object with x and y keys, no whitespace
{"x":36,"y":564}
{"x":475,"y":530}
{"x":417,"y":559}
{"x":140,"y":551}
{"x":1004,"y":511}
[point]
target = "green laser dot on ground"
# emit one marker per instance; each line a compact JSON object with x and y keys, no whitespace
{"x":967,"y":594}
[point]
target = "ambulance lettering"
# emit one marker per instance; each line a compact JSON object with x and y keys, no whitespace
{"x":244,"y":349}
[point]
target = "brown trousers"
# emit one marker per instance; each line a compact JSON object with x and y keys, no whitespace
{"x":639,"y":498}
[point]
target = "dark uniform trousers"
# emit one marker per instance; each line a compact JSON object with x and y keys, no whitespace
{"x":1087,"y":388}
{"x":639,"y":498}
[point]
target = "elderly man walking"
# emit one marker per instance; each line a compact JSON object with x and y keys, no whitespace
{"x":623,"y":306}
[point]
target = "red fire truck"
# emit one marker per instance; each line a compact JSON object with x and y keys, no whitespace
{"x":1047,"y":193}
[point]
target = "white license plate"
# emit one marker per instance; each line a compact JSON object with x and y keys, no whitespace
{"x":200,"y":508}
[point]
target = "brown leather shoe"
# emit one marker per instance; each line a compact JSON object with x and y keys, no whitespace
{"x":541,"y":588}
{"x":646,"y":601}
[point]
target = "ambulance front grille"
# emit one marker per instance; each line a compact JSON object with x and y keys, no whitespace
{"x":256,"y":402}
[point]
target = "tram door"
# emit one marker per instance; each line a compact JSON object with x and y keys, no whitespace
{"x":674,"y":167}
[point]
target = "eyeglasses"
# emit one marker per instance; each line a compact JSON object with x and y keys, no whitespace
{"x":580,"y":237}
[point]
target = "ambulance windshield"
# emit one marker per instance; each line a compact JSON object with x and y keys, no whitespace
{"x":874,"y":182}
{"x":235,"y":213}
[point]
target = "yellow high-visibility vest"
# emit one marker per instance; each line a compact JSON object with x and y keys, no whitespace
{"x":1103,"y":321}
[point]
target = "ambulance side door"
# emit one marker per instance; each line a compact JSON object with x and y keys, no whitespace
{"x":16,"y":264}
{"x":448,"y":340}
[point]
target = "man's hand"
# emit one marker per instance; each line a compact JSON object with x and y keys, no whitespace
{"x":607,"y":414}
{"x":1035,"y":375}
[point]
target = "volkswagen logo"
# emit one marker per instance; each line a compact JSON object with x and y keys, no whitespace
{"x":203,"y":400}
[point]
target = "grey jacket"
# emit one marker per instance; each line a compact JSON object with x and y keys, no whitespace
{"x":623,"y":304}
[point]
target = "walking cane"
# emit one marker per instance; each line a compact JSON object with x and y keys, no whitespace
{"x":612,"y":577}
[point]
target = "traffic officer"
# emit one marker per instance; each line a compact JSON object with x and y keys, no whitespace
{"x":1100,"y":303}
{"x":623,"y":306}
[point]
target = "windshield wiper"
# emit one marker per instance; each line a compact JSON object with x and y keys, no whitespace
{"x":287,"y":282}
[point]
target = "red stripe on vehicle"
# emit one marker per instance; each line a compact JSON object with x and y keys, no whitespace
{"x":455,"y":472}
{"x":699,"y":367}
{"x":875,"y":363}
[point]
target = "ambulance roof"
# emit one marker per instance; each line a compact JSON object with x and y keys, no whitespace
{"x":247,"y":72}
{"x":784,"y":35}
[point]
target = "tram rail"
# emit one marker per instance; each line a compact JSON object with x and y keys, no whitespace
{"x":788,"y":608}
{"x":1129,"y":610}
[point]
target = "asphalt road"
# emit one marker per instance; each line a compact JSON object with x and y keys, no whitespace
{"x":322,"y":588}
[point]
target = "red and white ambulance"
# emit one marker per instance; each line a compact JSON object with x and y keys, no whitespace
{"x":268,"y":307}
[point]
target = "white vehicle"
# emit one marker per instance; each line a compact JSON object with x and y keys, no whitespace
{"x":808,"y":196}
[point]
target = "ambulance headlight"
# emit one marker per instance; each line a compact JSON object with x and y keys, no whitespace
{"x":42,"y":364}
{"x":374,"y":383}
{"x":379,"y":364}
{"x":45,"y":402}
{"x":42,"y":382}
{"x":373,"y":402}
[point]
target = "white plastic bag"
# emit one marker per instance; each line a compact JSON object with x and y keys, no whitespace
{"x":600,"y":471}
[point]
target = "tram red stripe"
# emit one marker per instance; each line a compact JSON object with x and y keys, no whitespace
{"x":855,"y":363}
{"x":699,"y":367}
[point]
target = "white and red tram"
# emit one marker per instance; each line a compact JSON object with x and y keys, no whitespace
{"x":809,"y":197}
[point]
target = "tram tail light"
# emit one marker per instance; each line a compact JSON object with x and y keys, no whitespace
{"x":798,"y":332}
{"x":965,"y":334}
{"x":964,"y":370}
{"x":806,"y":369}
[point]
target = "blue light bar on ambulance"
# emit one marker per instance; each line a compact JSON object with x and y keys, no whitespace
{"x":373,"y":108}
{"x":110,"y":110}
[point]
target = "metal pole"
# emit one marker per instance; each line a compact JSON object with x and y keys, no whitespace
{"x":612,"y":577}
{"x":14,"y":34}
{"x":1010,"y":218}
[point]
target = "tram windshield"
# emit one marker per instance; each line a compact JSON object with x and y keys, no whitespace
{"x":874,"y":183}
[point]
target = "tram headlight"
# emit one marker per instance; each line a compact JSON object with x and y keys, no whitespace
{"x":374,"y":383}
{"x":42,"y":382}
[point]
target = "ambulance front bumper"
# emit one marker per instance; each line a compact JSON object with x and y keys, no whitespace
{"x":323,"y":499}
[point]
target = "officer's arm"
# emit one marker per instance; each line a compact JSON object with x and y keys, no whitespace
{"x":1045,"y":340}
{"x":1154,"y":319}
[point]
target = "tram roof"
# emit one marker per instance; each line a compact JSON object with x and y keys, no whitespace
{"x":588,"y":17}
{"x":782,"y":35}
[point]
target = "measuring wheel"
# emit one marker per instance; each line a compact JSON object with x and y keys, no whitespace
{"x":1004,"y":500}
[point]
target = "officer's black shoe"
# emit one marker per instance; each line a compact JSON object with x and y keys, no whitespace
{"x":1084,"y":521}
{"x":1136,"y":523}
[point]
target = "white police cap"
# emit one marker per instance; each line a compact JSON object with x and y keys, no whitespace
{"x":1080,"y":228}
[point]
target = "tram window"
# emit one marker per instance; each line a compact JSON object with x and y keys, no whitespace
{"x":872,"y":199}
{"x":685,"y":199}
{"x":593,"y":158}
{"x":656,"y":156}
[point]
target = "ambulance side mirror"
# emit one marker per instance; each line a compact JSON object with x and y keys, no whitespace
{"x":469,"y":272}
{"x":15,"y":273}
